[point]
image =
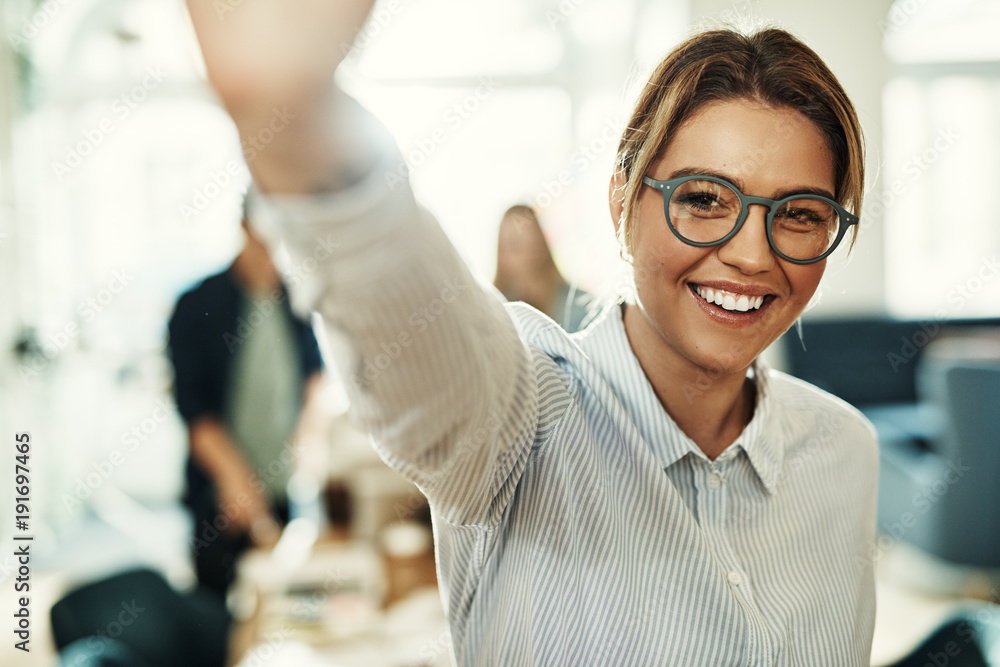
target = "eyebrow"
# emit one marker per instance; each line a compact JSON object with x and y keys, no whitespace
{"x":698,"y":171}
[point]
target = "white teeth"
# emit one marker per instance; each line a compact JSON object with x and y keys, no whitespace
{"x":738,"y":302}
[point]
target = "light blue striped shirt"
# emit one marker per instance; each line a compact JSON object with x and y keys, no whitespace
{"x":575,"y":523}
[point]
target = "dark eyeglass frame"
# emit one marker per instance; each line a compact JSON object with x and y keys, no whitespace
{"x":666,"y":188}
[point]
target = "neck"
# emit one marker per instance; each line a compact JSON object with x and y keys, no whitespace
{"x":540,"y":291}
{"x":256,"y":275}
{"x":710,"y":407}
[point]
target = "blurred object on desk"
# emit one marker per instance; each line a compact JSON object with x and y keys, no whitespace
{"x":361,"y":488}
{"x":331,"y":609}
{"x":408,"y":550}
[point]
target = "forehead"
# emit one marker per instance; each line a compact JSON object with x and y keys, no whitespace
{"x":765,"y":148}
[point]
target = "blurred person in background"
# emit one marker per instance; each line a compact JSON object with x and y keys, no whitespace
{"x":246,"y":378}
{"x":527,"y":272}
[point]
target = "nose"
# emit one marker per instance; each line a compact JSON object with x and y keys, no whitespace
{"x":749,"y":250}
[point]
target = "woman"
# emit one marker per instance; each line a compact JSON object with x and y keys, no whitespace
{"x":527,"y":272}
{"x":647,"y":492}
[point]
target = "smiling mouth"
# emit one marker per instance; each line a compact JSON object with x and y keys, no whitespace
{"x":740,"y":303}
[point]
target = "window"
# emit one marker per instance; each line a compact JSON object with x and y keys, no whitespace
{"x":494,"y":104}
{"x":941,"y":162}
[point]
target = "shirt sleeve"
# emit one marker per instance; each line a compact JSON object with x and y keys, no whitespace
{"x":186,"y":350}
{"x":309,"y":356}
{"x":435,"y":368}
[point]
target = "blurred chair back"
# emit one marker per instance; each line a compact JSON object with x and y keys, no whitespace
{"x":969,"y":639}
{"x":946,"y":492}
{"x":138,"y":613}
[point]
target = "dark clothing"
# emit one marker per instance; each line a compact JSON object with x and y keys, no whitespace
{"x":215,"y":551}
{"x":207,"y":328}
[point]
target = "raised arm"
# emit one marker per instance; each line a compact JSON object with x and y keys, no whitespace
{"x":434,"y":366}
{"x":269,"y":59}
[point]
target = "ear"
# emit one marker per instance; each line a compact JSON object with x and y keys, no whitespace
{"x":616,"y":197}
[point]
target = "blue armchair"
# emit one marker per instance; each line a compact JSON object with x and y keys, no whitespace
{"x":941,"y":491}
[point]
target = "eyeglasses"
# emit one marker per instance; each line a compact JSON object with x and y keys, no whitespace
{"x":706,"y":211}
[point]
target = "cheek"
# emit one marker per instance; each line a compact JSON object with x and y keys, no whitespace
{"x":804,"y":280}
{"x":661,"y":260}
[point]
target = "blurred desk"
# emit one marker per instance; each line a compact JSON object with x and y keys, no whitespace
{"x":341,"y":602}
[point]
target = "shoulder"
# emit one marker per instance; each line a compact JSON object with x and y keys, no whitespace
{"x":532,"y":324}
{"x":206,"y":297}
{"x":207,"y":288}
{"x":814,"y":415}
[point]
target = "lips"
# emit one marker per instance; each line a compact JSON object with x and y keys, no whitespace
{"x":731,"y":301}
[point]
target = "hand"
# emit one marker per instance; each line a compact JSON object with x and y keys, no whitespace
{"x":243,"y":504}
{"x":265,"y":532}
{"x":272,"y":63}
{"x":259,"y":53}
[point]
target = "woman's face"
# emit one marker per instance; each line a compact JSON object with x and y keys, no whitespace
{"x":766,"y":152}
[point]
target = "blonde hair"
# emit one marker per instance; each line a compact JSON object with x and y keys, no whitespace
{"x":769,"y":66}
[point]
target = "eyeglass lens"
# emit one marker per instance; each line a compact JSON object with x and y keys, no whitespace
{"x":706,"y":211}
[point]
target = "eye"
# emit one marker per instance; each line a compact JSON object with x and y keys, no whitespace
{"x":704,"y":199}
{"x":699,"y":200}
{"x":807,"y":215}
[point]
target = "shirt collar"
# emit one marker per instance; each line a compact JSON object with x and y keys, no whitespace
{"x":760,"y":439}
{"x":607,"y":346}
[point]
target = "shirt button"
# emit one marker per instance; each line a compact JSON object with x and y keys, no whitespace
{"x":714,"y":482}
{"x":734,"y":578}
